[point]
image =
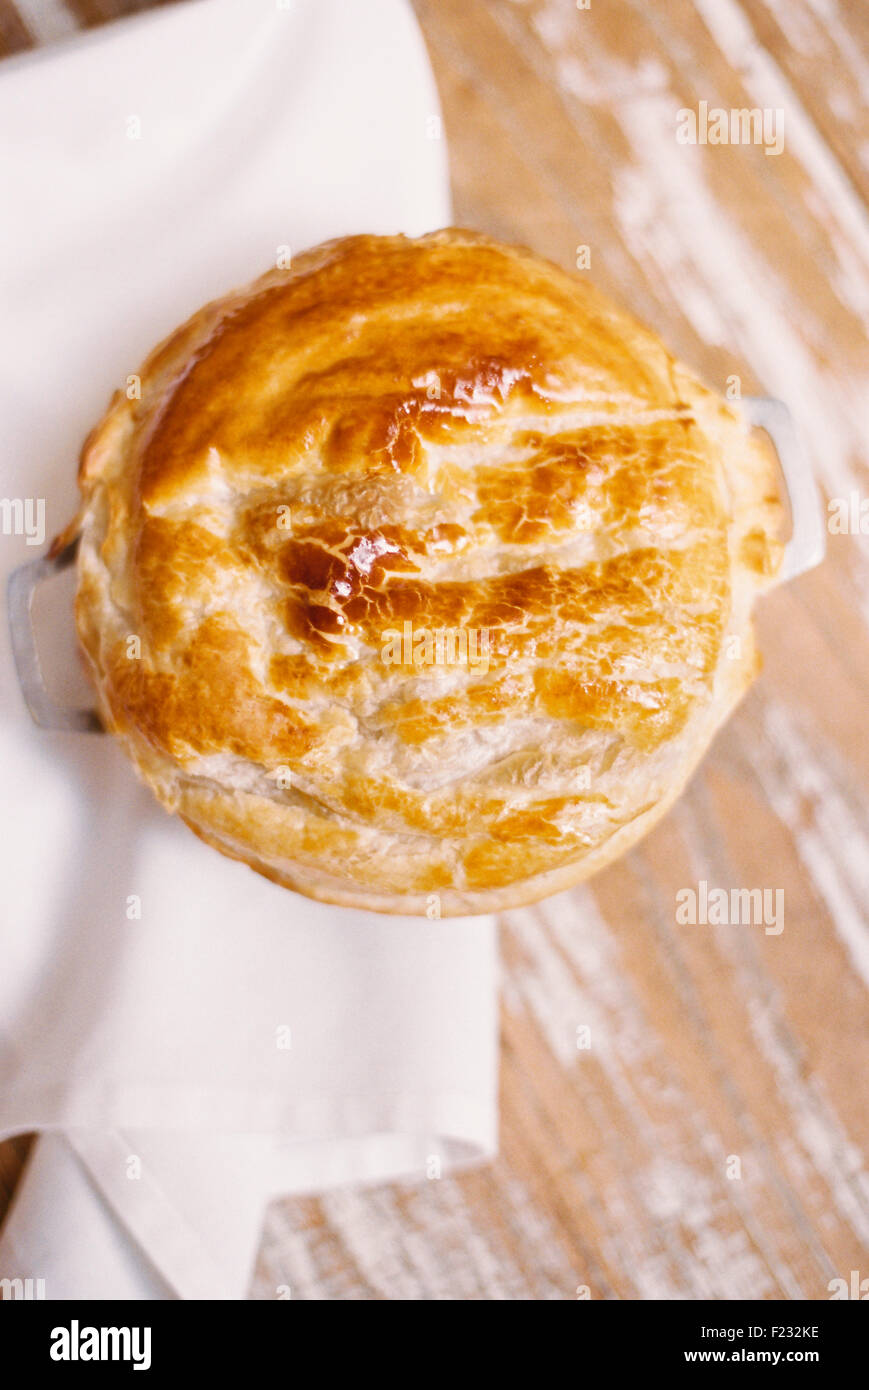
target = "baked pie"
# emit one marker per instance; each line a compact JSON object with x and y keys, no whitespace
{"x":418,"y":576}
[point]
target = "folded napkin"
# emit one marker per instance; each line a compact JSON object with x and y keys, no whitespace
{"x":192,"y":1039}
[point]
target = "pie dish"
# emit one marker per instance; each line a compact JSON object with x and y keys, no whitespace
{"x":418,"y":576}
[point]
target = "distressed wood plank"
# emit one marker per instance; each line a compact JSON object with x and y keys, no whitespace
{"x":823,"y":51}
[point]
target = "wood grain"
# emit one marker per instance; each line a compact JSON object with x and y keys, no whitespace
{"x":711,"y":1140}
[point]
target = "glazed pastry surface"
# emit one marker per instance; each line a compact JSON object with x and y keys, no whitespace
{"x":420,"y":576}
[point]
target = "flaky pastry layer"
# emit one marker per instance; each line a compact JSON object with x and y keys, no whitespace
{"x":420,"y":576}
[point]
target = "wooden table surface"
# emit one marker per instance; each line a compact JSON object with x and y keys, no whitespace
{"x":711,"y":1140}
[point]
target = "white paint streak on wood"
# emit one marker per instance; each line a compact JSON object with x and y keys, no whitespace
{"x":399,"y":1262}
{"x":672,"y":1194}
{"x":796,"y":24}
{"x":562,"y":1001}
{"x":728,"y":289}
{"x":287,"y":1255}
{"x":787,"y":774}
{"x":422,"y":1243}
{"x":373,"y":1251}
{"x":47,"y":20}
{"x":767,"y":84}
{"x":829,"y":18}
{"x":731,"y":295}
{"x":832,"y":842}
{"x":724,"y":1263}
{"x":833,"y":1156}
{"x":816,"y":30}
{"x":554,"y":1275}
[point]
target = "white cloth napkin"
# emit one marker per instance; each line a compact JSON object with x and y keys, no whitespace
{"x":193,"y":1038}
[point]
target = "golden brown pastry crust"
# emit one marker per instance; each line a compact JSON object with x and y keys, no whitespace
{"x":333,"y":474}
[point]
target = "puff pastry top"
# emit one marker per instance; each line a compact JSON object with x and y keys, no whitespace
{"x":334,"y":474}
